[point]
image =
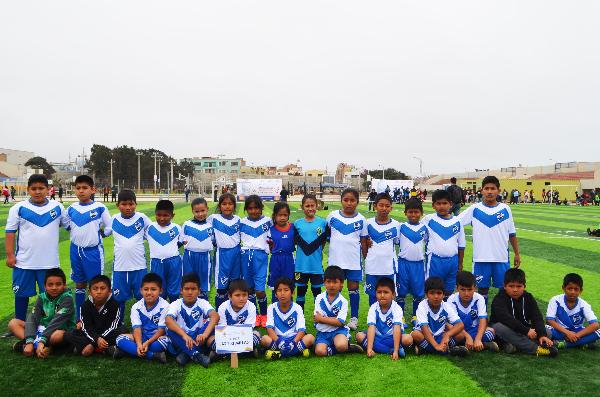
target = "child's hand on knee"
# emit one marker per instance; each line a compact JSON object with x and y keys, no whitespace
{"x":28,"y":350}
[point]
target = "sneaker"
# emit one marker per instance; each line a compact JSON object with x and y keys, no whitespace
{"x":590,"y":346}
{"x":419,"y":350}
{"x":182,"y":359}
{"x":161,"y":357}
{"x":491,"y":346}
{"x":273,"y":355}
{"x":201,"y":359}
{"x":561,"y":344}
{"x":19,"y":346}
{"x":118,"y":353}
{"x":401,"y":352}
{"x":213,"y":356}
{"x":509,"y":348}
{"x":459,"y":351}
{"x":257,"y":322}
{"x":547,"y":351}
{"x":8,"y":334}
{"x":263,"y":321}
{"x":353,"y":323}
{"x":256,"y":352}
{"x":354,"y":348}
{"x":111,"y":351}
{"x":306,"y":353}
{"x":589,"y":232}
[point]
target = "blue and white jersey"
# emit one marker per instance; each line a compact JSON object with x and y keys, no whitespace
{"x":286,"y":324}
{"x":228,"y":315}
{"x":381,"y":258}
{"x":37,"y":229}
{"x":412,"y":241}
{"x":254,"y":233}
{"x":163,"y":241}
{"x":436,"y":321}
{"x":190,"y":318}
{"x":128,"y":234}
{"x":344,"y":243}
{"x":198,"y":236}
{"x":85,"y":222}
{"x":445,"y":236}
{"x":572,"y":319}
{"x":226,"y":230}
{"x":492,"y":227}
{"x":149,"y":319}
{"x":384,"y":322}
{"x":338,"y":308}
{"x":472,"y":313}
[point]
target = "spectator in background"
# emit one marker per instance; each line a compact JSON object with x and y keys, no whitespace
{"x":105,"y":192}
{"x":456,"y":195}
{"x":61,"y":191}
{"x":186,"y":191}
{"x":371,"y":198}
{"x":5,"y":194}
{"x":52,"y":192}
{"x":114,"y":192}
{"x":283,"y":194}
{"x":531,"y":198}
{"x":13,"y":191}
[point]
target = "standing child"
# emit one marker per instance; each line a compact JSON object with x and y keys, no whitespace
{"x":493,"y":229}
{"x":348,"y":228}
{"x":89,"y":221}
{"x":129,"y":229}
{"x":286,"y":328}
{"x":311,"y":236}
{"x":226,"y":228}
{"x":148,"y":315}
{"x":446,"y":242}
{"x":380,"y":257}
{"x":36,"y":222}
{"x":198,"y":240}
{"x":385,"y":333}
{"x":164,"y":239}
{"x":254,"y":232}
{"x":281,"y":239}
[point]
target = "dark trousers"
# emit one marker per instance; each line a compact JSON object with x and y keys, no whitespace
{"x":79,"y":340}
{"x":520,"y":341}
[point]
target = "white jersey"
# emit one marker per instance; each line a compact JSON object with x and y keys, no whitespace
{"x":226,"y":230}
{"x":412,"y":239}
{"x":190,"y":318}
{"x":344,"y":243}
{"x":381,"y":257}
{"x":149,"y":319}
{"x":446,"y":236}
{"x":37,"y":229}
{"x":128,"y":234}
{"x":85,"y":222}
{"x":163,"y":240}
{"x":286,"y":324}
{"x":492,"y":227}
{"x":338,"y":308}
{"x":472,"y":313}
{"x":228,"y":315}
{"x":198,"y":236}
{"x":254,"y":234}
{"x":436,"y":321}
{"x":572,"y":319}
{"x":384,"y":322}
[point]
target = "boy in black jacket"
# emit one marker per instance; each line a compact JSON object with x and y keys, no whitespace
{"x":517,"y":320}
{"x":100,"y":321}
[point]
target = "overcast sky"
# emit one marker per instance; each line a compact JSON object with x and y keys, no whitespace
{"x":460,"y":84}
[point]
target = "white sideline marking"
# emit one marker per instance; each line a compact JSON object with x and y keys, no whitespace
{"x":558,"y":234}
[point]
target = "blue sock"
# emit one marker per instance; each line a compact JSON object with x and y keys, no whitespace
{"x":485,"y":297}
{"x":21,"y":303}
{"x":372,"y":299}
{"x":122,"y":309}
{"x":79,"y":300}
{"x":415,"y":305}
{"x":401,"y":300}
{"x":220,"y":297}
{"x":331,"y":350}
{"x":273,"y":297}
{"x":252,"y":298}
{"x":129,"y":346}
{"x":293,"y":350}
{"x":354,"y":302}
{"x":203,"y":295}
{"x":256,"y":338}
{"x":262,"y":305}
{"x":300,"y":300}
{"x":315,"y":291}
{"x":173,"y":298}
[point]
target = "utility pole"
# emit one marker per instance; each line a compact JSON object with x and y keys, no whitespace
{"x":420,"y":165}
{"x":139,"y":172}
{"x":159,"y":161}
{"x":156,"y":156}
{"x":111,"y":172}
{"x":172,"y":162}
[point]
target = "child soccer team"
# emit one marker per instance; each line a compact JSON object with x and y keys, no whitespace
{"x":172,"y":314}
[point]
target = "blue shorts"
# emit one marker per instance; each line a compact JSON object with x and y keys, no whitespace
{"x":327,"y":337}
{"x":488,"y":336}
{"x":170,"y":270}
{"x":286,"y":340}
{"x":127,"y":284}
{"x":254,"y":268}
{"x":86,"y":262}
{"x":23,"y":281}
{"x":411,"y":278}
{"x":445,"y":268}
{"x":198,"y":263}
{"x":386,"y":341}
{"x":438,"y":339}
{"x":353,"y":275}
{"x":281,"y":265}
{"x":486,"y":271}
{"x":557,"y":335}
{"x":371,"y":282}
{"x":227,"y":266}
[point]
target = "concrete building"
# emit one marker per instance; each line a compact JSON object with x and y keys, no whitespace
{"x":217,"y":165}
{"x":12,"y":162}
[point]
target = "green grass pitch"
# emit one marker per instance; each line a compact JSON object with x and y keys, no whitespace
{"x":553,"y":242}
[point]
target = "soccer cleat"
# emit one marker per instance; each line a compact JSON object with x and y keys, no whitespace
{"x":401,"y":352}
{"x":589,"y":232}
{"x":419,"y":350}
{"x":561,"y":344}
{"x":161,"y":357}
{"x":257,"y":322}
{"x":263,"y":320}
{"x":491,"y":346}
{"x":213,"y":356}
{"x":256,"y":352}
{"x":118,"y":353}
{"x":305,"y":353}
{"x":459,"y":351}
{"x":509,"y":348}
{"x":273,"y":355}
{"x":353,"y":323}
{"x":547,"y":351}
{"x":201,"y":359}
{"x":182,"y":359}
{"x":110,"y":351}
{"x":354,"y":348}
{"x":19,"y":346}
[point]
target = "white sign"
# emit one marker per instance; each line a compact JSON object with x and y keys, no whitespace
{"x":267,"y":189}
{"x":380,"y":185}
{"x":233,"y":338}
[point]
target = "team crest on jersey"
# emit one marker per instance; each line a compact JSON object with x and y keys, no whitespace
{"x":291,"y":321}
{"x":265,"y":227}
{"x":172,"y":233}
{"x":156,"y":319}
{"x":236,"y":227}
{"x":389,"y":321}
{"x":319,"y":231}
{"x":297,"y":276}
{"x":422,"y":233}
{"x":241,"y":319}
{"x":335,"y":310}
{"x":53,"y":214}
{"x":388,"y":234}
{"x":116,"y":292}
{"x":442,"y":319}
{"x":209,"y":231}
{"x":455,"y":229}
{"x":93,"y":214}
{"x":195,"y":314}
{"x":576,"y":318}
{"x":473,"y":313}
{"x":499,"y":216}
{"x":138,"y":226}
{"x":357,"y":226}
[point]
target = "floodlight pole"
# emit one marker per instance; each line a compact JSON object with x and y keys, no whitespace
{"x":111,"y":172}
{"x":156,"y":156}
{"x":172,"y":162}
{"x":139,"y":172}
{"x":420,"y":165}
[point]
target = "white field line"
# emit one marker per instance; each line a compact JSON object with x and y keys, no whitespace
{"x":559,"y":234}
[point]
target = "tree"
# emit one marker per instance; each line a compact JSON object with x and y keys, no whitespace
{"x":390,"y":173}
{"x":99,"y":161}
{"x":41,"y":163}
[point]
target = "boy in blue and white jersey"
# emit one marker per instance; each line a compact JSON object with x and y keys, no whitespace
{"x":567,"y":314}
{"x":446,"y":242}
{"x":36,"y":222}
{"x":89,"y":221}
{"x":411,"y":258}
{"x":129,"y":267}
{"x":148,"y":322}
{"x":380,"y":256}
{"x":438,"y":323}
{"x":198,"y":238}
{"x":493,"y":229}
{"x":164,"y":239}
{"x":471,"y":309}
